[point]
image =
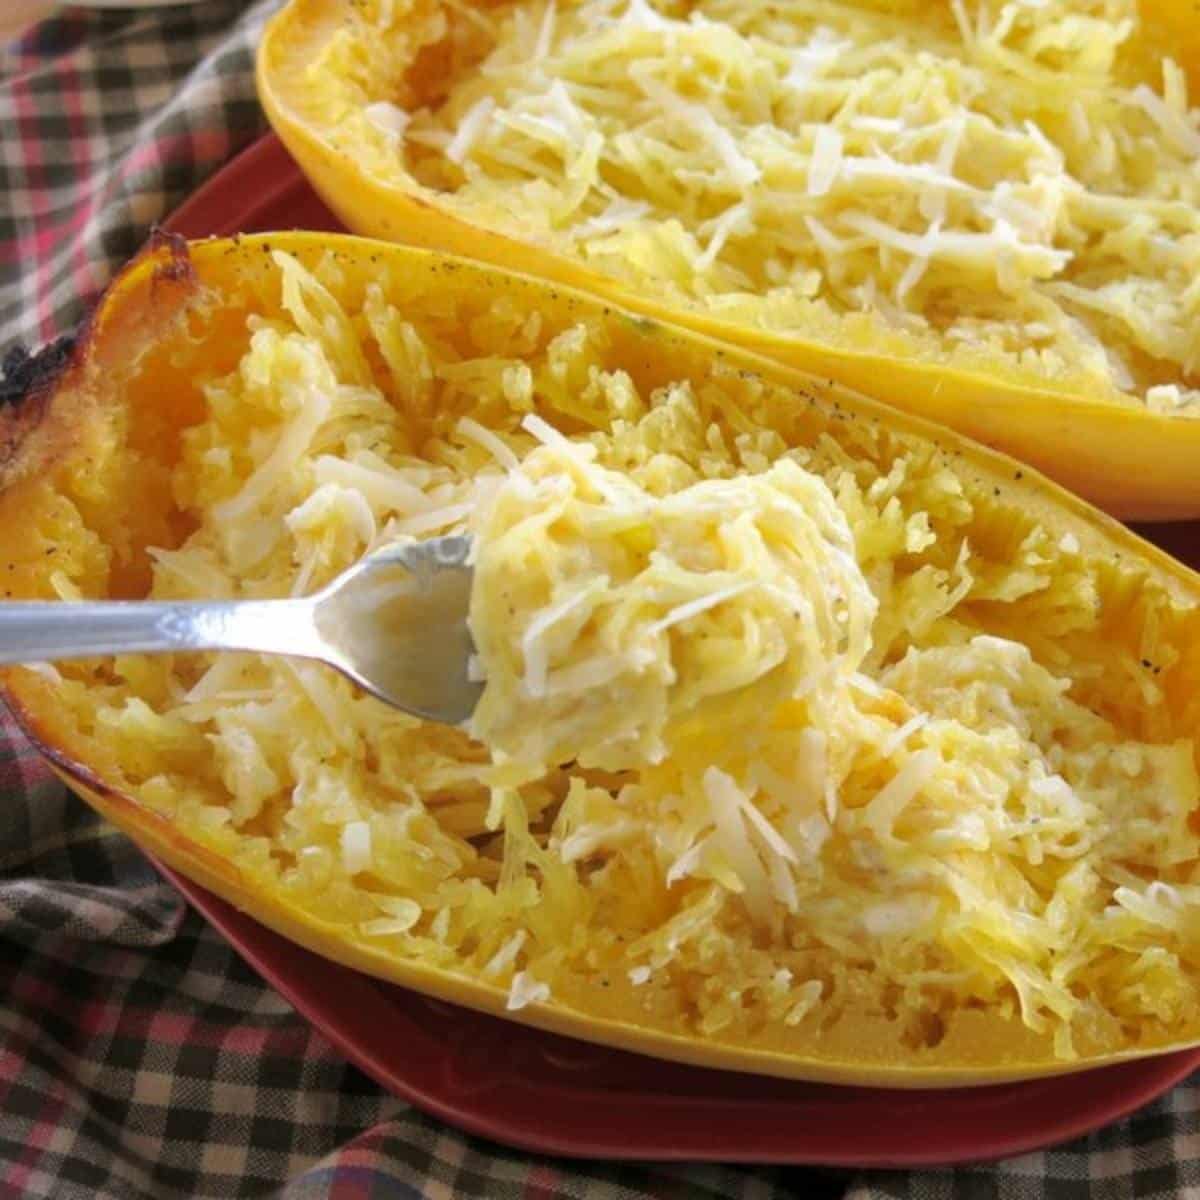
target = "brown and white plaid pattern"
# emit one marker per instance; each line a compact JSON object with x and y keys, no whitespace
{"x":109,"y":120}
{"x":140,"y":1059}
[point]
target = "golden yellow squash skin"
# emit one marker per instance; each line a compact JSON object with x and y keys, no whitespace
{"x":103,"y":432}
{"x":1135,"y":463}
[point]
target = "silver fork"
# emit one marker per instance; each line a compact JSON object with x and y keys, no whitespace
{"x":395,"y":623}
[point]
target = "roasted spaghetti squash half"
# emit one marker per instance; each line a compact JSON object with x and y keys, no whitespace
{"x":988,"y":212}
{"x":815,"y":740}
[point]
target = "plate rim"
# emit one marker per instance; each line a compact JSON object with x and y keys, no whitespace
{"x":259,"y":947}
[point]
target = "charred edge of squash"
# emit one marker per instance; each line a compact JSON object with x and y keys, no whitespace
{"x":32,"y":383}
{"x":24,"y":374}
{"x":28,"y":382}
{"x":177,"y":266}
{"x":45,"y":401}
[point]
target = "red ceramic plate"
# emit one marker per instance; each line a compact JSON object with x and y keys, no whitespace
{"x":558,"y":1096}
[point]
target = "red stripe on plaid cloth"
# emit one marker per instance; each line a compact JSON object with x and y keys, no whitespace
{"x":542,"y":1184}
{"x":41,"y":995}
{"x":89,"y":277}
{"x":39,"y":245}
{"x":22,"y":770}
{"x":40,"y":242}
{"x":178,"y":1029}
{"x":19,"y":1174}
{"x":171,"y":1028}
{"x":54,"y":1105}
{"x":72,"y":97}
{"x":193,"y":145}
{"x":96,"y":1018}
{"x":11,"y":1065}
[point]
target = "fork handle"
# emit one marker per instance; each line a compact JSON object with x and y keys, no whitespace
{"x":41,"y":631}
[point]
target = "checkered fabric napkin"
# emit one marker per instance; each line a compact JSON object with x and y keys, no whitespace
{"x":140,"y":1059}
{"x":107,"y":121}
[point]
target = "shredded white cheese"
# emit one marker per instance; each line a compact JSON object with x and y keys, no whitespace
{"x":961,"y":178}
{"x":387,"y":117}
{"x":591,"y":647}
{"x":356,"y":847}
{"x":525,"y":990}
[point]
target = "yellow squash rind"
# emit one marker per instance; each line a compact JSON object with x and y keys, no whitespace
{"x":1133,"y":462}
{"x":144,"y":313}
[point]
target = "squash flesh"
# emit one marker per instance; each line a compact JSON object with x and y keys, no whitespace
{"x":210,"y":747}
{"x":966,"y":348}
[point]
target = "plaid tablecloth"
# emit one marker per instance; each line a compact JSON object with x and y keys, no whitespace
{"x":139,"y":1058}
